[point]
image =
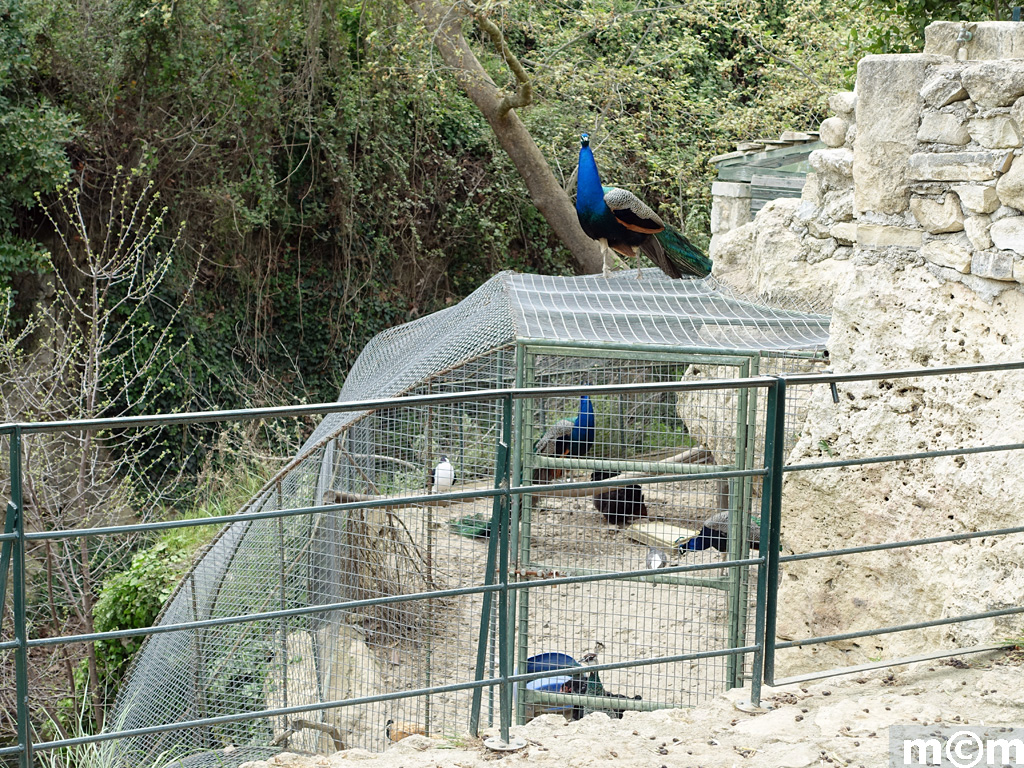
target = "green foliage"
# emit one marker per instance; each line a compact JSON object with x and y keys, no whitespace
{"x":899,"y":27}
{"x":33,"y":133}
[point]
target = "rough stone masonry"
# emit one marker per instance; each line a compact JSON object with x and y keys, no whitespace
{"x":911,"y":230}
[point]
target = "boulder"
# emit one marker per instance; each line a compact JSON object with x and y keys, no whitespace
{"x":1008,"y":234}
{"x":1010,"y":187}
{"x":943,"y":128}
{"x":833,"y":131}
{"x":977,"y":198}
{"x":977,"y":229}
{"x":948,"y":253}
{"x":938,"y":216}
{"x":994,"y":83}
{"x":997,"y":132}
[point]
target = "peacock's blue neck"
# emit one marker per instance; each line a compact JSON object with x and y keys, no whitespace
{"x":589,"y":194}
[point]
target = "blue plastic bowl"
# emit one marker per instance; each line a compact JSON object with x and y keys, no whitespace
{"x":545,"y":662}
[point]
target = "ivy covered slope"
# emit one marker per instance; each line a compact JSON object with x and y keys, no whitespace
{"x":334,"y":179}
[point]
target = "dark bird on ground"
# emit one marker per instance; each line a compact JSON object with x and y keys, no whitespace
{"x":568,"y":437}
{"x":589,"y":684}
{"x":442,"y":477}
{"x":714,"y":534}
{"x":620,"y":506}
{"x":621,"y":221}
{"x":401,"y":730}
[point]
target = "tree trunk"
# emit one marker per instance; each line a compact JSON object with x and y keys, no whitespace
{"x":444,"y":24}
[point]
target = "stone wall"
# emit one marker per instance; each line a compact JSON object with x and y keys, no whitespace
{"x":912,"y":229}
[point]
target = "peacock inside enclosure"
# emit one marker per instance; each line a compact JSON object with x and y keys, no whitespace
{"x":568,"y":437}
{"x":621,"y":221}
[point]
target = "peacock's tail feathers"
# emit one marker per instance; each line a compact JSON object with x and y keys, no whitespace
{"x":675,"y":255}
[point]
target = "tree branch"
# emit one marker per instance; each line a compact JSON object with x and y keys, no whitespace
{"x":524,"y":93}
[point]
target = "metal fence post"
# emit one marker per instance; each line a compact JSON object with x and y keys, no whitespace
{"x":771,"y":507}
{"x":18,"y":584}
{"x":505,"y":646}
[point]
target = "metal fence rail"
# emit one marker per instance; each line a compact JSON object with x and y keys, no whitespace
{"x":510,"y":496}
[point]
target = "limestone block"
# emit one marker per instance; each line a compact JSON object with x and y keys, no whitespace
{"x":811,"y":192}
{"x":820,"y":249}
{"x":977,"y":198}
{"x":834,"y":168}
{"x":729,"y":212}
{"x":851,"y":134}
{"x":882,"y":236}
{"x":994,"y":265}
{"x":843,"y":104}
{"x":818,"y":229}
{"x":1008,"y":234}
{"x":888,"y":114}
{"x":990,"y":40}
{"x":845,"y":232}
{"x":942,"y":89}
{"x":1017,"y":113}
{"x":1010,"y":187}
{"x":833,"y":131}
{"x":977,"y":229}
{"x":958,"y":166}
{"x":947,"y":253}
{"x":938,"y":216}
{"x":943,"y":128}
{"x":997,"y":132}
{"x":1004,"y":211}
{"x":838,"y":206}
{"x":1018,"y":271}
{"x":994,"y":83}
{"x":730,"y":189}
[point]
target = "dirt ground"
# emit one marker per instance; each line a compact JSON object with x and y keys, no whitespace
{"x":839,"y":721}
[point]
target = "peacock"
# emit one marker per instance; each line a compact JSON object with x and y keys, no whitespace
{"x":715,"y":534}
{"x":568,"y":437}
{"x":621,"y":221}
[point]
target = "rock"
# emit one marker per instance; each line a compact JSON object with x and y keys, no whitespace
{"x":730,"y":206}
{"x":1017,"y":113}
{"x":845,"y":232}
{"x":888,"y":114}
{"x":943,"y":128}
{"x":994,"y":265}
{"x":990,"y":40}
{"x":998,"y":132}
{"x":958,"y":166}
{"x":946,"y":253}
{"x":936,"y":216}
{"x":1008,"y":234}
{"x":811,"y":192}
{"x":994,"y":83}
{"x":844,"y":104}
{"x":1010,"y":187}
{"x":833,"y":167}
{"x":977,"y":198}
{"x":833,"y":131}
{"x":881,"y":236}
{"x":977,"y":229}
{"x":943,"y":89}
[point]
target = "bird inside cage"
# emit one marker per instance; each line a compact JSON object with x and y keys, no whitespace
{"x":442,"y":477}
{"x":566,"y":438}
{"x":714,"y":534}
{"x":396,"y":731}
{"x":620,"y":506}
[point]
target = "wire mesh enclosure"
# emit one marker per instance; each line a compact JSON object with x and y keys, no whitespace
{"x":402,"y":578}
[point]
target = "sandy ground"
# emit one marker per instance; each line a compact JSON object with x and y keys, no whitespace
{"x":840,"y":721}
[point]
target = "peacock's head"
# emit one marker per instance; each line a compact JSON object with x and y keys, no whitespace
{"x":584,"y":140}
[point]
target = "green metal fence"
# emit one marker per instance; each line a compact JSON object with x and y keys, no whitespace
{"x":511,"y":573}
